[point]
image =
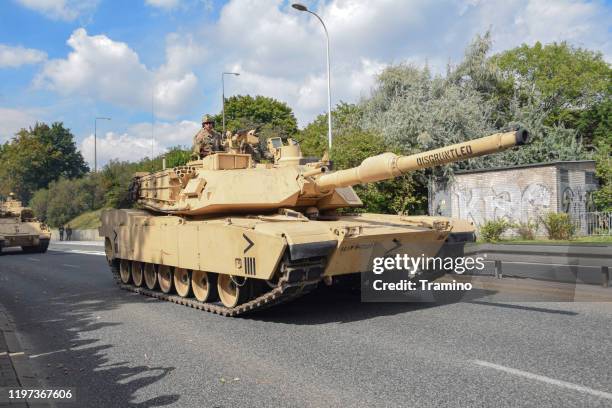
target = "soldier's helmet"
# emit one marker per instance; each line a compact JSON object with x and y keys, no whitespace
{"x":208,"y":119}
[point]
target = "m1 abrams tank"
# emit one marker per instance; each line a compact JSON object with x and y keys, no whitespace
{"x":229,"y":236}
{"x":19,"y":227}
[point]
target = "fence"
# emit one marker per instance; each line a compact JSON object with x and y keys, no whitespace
{"x":593,"y":223}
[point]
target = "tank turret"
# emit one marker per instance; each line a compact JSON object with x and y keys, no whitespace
{"x":233,"y":183}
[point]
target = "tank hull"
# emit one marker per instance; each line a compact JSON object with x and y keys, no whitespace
{"x":262,"y":248}
{"x":28,"y":235}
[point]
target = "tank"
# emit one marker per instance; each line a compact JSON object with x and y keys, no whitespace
{"x":19,"y":228}
{"x":228,"y":235}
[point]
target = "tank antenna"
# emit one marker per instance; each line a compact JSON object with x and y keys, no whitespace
{"x":152,"y":122}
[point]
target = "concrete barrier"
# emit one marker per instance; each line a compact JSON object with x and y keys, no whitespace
{"x":573,"y":263}
{"x":79,"y":235}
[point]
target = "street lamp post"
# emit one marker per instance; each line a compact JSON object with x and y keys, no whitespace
{"x":223,"y":94}
{"x":96,"y":141}
{"x":302,"y":7}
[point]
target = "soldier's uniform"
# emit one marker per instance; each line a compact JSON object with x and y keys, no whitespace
{"x":206,"y":141}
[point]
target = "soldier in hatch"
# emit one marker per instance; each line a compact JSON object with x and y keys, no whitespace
{"x":207,"y":140}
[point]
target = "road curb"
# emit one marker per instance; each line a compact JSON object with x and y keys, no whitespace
{"x":15,"y":368}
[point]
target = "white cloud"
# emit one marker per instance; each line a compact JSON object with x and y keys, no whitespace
{"x":100,"y":68}
{"x":513,"y":22}
{"x":168,"y":133}
{"x":121,"y":147}
{"x":13,"y":120}
{"x":283,"y":55}
{"x":171,"y":5}
{"x":138,"y":141}
{"x":164,"y":4}
{"x":67,"y":10}
{"x":16,"y":56}
{"x":280,"y":52}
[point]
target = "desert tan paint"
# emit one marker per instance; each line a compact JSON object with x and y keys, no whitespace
{"x":228,"y":183}
{"x":195,"y":234}
{"x":15,"y":232}
{"x":390,"y":165}
{"x":220,"y":244}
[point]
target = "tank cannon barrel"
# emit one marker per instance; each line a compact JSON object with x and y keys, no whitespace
{"x":389,"y":165}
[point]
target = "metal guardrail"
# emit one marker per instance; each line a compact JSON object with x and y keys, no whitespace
{"x":593,"y":223}
{"x":578,"y":263}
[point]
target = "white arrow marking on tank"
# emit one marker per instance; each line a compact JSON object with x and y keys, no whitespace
{"x":251,"y":243}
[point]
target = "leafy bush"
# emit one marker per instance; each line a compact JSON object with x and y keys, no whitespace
{"x":64,"y":199}
{"x":492,"y":230}
{"x":558,"y":225}
{"x":603,"y":168}
{"x":527,"y":230}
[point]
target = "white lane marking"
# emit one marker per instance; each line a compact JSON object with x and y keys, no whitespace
{"x":33,"y":259}
{"x":46,"y":354}
{"x":77,"y":251}
{"x":18,"y":353}
{"x":70,"y":265}
{"x":544,"y":379}
{"x":81,"y":243}
{"x":4,"y":353}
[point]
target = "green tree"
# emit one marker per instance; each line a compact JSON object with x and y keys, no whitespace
{"x":603,"y":169}
{"x":274,"y":118}
{"x":351,"y":145}
{"x":570,"y":82}
{"x":64,"y":199}
{"x":39,"y":204}
{"x":346,"y":119}
{"x":116,"y":178}
{"x":418,"y":111}
{"x":37,"y":156}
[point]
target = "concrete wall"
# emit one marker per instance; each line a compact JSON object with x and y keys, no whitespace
{"x":79,"y":235}
{"x":517,"y":194}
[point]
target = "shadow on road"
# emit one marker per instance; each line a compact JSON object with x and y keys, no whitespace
{"x":13,"y":251}
{"x":119,"y":381}
{"x":56,"y":321}
{"x":333,"y":305}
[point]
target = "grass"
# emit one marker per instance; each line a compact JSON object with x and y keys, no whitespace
{"x":601,"y":239}
{"x":87,"y":220}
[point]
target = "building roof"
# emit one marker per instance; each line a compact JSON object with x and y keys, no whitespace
{"x":523,"y":166}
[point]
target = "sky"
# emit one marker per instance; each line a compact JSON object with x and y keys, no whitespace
{"x":154,"y":66}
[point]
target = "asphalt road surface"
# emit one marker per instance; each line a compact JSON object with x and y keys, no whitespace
{"x":120,"y":349}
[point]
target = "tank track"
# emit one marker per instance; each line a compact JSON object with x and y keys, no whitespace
{"x":297,"y":279}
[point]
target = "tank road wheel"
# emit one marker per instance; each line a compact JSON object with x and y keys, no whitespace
{"x":150,"y":276}
{"x":182,"y":282}
{"x":164,"y":277}
{"x":137,"y":273}
{"x":232,"y":291}
{"x":204,"y":286}
{"x":124,"y":271}
{"x":108,"y":251}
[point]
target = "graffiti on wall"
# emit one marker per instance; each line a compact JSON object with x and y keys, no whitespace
{"x":577,"y":199}
{"x":509,"y":202}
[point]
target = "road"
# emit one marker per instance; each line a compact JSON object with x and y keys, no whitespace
{"x":120,"y":349}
